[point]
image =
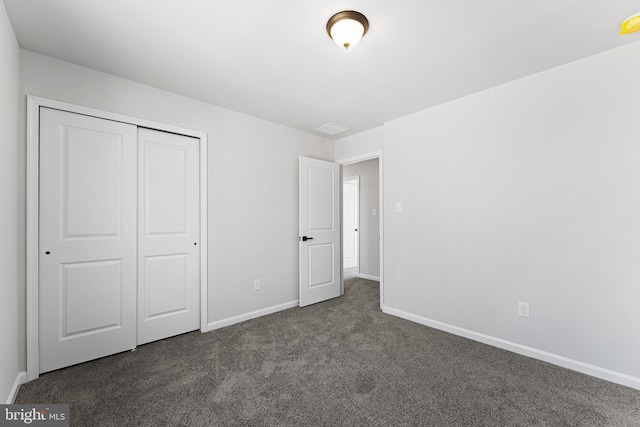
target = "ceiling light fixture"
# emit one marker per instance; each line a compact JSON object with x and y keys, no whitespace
{"x":346,"y":28}
{"x":631,"y":24}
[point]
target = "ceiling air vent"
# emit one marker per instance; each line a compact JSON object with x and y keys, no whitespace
{"x":331,"y":129}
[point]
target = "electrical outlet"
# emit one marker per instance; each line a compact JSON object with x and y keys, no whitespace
{"x":523,"y":309}
{"x":257,"y":284}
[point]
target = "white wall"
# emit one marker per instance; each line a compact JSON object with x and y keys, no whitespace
{"x":369,"y":227}
{"x":253,"y":179}
{"x":9,"y":282}
{"x":366,"y":142}
{"x":525,"y":192}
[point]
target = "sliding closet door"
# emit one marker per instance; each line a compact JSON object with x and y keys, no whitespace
{"x":168,"y":230}
{"x":87,"y":264}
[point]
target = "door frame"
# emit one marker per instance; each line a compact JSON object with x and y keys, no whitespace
{"x":33,"y":187}
{"x":361,"y":158}
{"x":356,"y":179}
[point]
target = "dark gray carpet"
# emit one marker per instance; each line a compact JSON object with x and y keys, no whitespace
{"x":338,"y":363}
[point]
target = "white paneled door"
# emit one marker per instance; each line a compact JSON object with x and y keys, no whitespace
{"x":350,"y":219}
{"x":87,"y":263}
{"x":319,"y":223}
{"x":118,"y":237}
{"x":168,"y":230}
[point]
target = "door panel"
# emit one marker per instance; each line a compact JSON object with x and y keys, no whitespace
{"x":321,"y":264}
{"x":85,"y":153}
{"x":168,"y":251}
{"x":87,"y":264}
{"x":91,"y":297}
{"x":321,"y":198}
{"x":166,"y":192}
{"x":166,"y":286}
{"x":319,"y":222}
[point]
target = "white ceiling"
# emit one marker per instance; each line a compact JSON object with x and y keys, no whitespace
{"x":274,"y":60}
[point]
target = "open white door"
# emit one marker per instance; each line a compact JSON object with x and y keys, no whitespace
{"x":350,"y":220}
{"x":319,"y":245}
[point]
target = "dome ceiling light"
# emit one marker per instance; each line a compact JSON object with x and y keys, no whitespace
{"x":631,"y":24}
{"x":346,"y":28}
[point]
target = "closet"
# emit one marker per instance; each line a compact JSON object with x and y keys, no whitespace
{"x":119,"y":231}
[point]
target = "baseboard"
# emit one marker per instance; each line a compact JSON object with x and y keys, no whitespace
{"x":575,"y":365}
{"x":366,"y":276}
{"x":248,"y":316}
{"x":21,"y":378}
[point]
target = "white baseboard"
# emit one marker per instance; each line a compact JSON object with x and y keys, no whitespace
{"x":248,"y":316}
{"x":366,"y":276}
{"x":21,"y":378}
{"x":575,"y":365}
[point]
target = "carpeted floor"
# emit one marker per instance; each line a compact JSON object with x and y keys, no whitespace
{"x":338,"y":363}
{"x":350,"y":273}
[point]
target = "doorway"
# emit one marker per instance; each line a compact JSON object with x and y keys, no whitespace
{"x":362,"y":219}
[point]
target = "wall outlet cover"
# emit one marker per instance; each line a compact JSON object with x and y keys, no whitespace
{"x":523,"y":309}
